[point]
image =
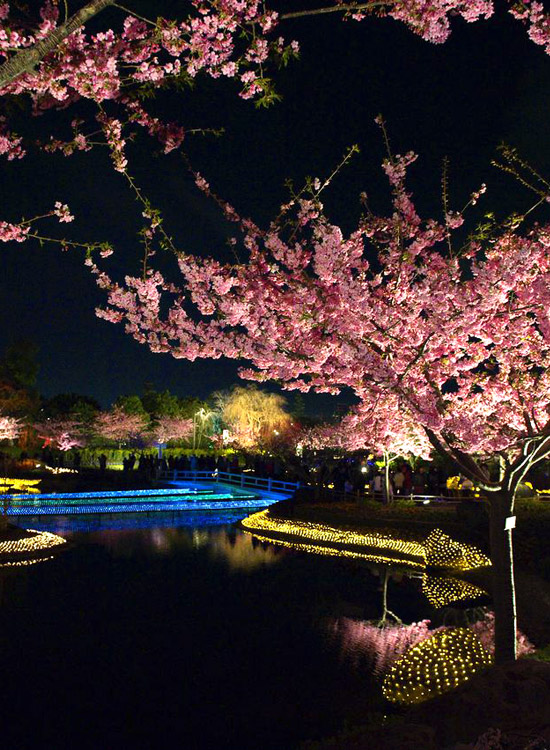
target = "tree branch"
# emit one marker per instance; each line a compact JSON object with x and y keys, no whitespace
{"x":28,"y":59}
{"x":333,"y":9}
{"x":464,"y":461}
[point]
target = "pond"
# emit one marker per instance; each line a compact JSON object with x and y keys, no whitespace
{"x":146,"y":633}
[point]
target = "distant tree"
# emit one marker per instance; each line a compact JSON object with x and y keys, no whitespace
{"x":20,"y":363}
{"x":18,"y":372}
{"x":83,"y":408}
{"x":254,"y":417}
{"x":9,"y":428}
{"x":161,"y":403}
{"x":131,"y":405}
{"x":119,"y":426}
{"x":62,"y":433}
{"x":297,"y":406}
{"x":171,"y":428}
{"x":190,"y":405}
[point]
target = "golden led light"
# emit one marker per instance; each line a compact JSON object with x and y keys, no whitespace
{"x":439,"y":550}
{"x":443,"y":552}
{"x":441,"y":663}
{"x":443,"y":591}
{"x":19,"y":485}
{"x":328,"y":535}
{"x":40,"y":541}
{"x":60,"y":469}
{"x":24,"y":563}
{"x":317,"y":549}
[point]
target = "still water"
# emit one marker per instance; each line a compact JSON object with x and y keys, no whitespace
{"x":193,"y":636}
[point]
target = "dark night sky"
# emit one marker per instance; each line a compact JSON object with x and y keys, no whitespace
{"x":489,"y":83}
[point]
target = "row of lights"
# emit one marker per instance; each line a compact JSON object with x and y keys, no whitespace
{"x":335,"y":551}
{"x":125,"y":493}
{"x":24,"y":563}
{"x":121,"y":507}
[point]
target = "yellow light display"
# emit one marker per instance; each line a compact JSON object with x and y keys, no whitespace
{"x":443,"y":591}
{"x":435,"y":666}
{"x":19,"y":485}
{"x":28,"y":545}
{"x":337,"y":551}
{"x":24,"y":563}
{"x":439,"y":550}
{"x":327,"y":535}
{"x":60,"y":469}
{"x":443,"y":552}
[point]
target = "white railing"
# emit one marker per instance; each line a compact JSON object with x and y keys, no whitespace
{"x":241,"y":480}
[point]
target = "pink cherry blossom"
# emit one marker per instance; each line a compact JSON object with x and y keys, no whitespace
{"x":9,"y":427}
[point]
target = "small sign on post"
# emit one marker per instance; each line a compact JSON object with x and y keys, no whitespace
{"x":510,"y":523}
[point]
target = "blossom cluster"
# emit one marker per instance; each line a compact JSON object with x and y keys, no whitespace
{"x":448,"y":350}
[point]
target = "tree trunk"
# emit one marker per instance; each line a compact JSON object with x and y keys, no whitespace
{"x":27,"y":59}
{"x":387,"y":486}
{"x":504,"y":595}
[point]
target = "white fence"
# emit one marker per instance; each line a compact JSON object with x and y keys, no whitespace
{"x":240,"y":480}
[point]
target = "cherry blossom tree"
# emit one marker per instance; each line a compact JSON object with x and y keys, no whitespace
{"x":381,"y":427}
{"x":63,"y":434}
{"x":9,"y":428}
{"x":171,"y":428}
{"x":118,"y":426}
{"x":53,"y":61}
{"x":456,"y":342}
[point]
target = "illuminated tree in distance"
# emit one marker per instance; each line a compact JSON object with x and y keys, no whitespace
{"x":255,"y":418}
{"x":9,"y":428}
{"x":171,"y":428}
{"x":63,"y":434}
{"x":118,"y":426}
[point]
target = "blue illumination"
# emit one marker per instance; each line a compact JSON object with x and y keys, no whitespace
{"x":120,"y":507}
{"x":194,"y":498}
{"x":123,"y":493}
{"x":131,"y":521}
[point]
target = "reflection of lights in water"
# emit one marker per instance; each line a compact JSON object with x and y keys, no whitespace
{"x":322,"y":534}
{"x":19,"y":485}
{"x":24,"y":563}
{"x":435,"y":666}
{"x":380,"y":647}
{"x":336,"y":551}
{"x":240,"y":552}
{"x":443,"y":591}
{"x":200,"y":538}
{"x":160,"y":540}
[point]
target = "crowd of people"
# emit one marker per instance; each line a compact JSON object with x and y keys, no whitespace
{"x":356,"y":474}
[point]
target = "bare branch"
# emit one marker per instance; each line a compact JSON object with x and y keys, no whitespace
{"x":344,"y":8}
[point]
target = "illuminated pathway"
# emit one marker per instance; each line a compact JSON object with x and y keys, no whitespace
{"x":136,"y":501}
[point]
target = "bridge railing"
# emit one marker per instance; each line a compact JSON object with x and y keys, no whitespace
{"x":250,"y":481}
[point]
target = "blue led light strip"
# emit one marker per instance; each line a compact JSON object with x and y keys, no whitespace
{"x":110,"y":494}
{"x":176,"y":505}
{"x":67,"y":500}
